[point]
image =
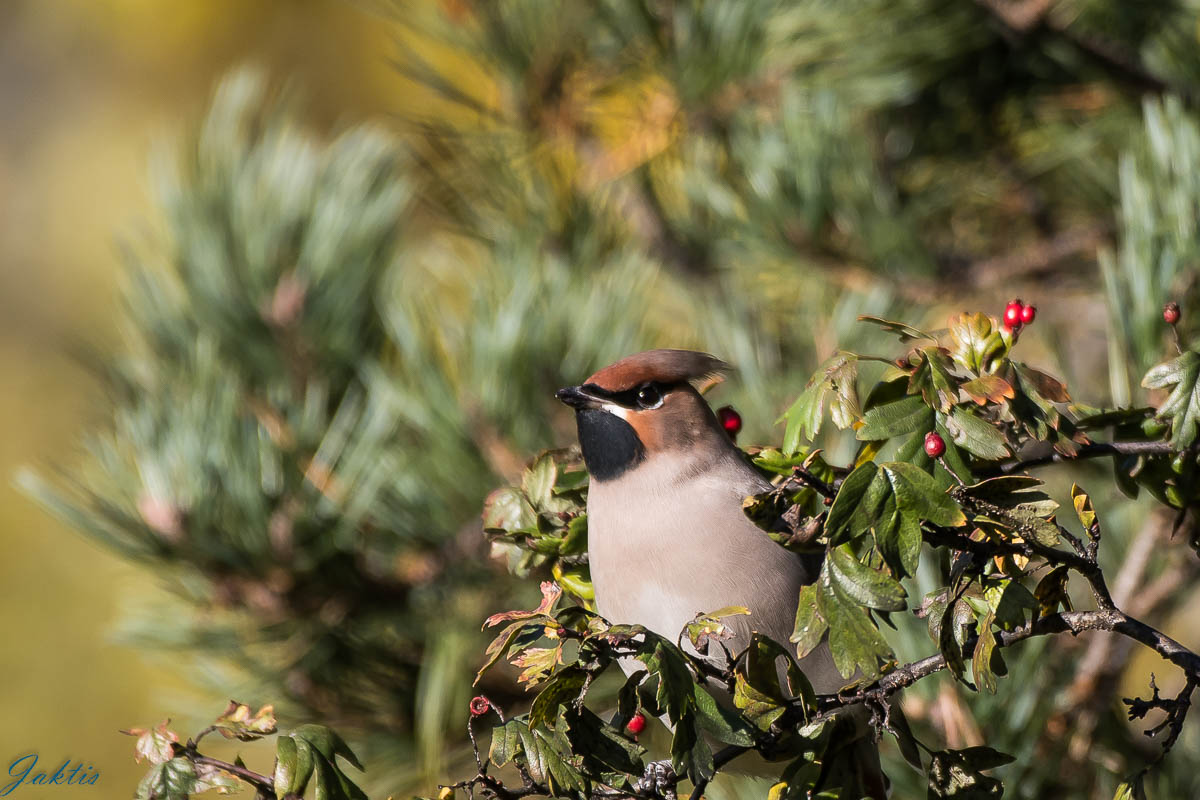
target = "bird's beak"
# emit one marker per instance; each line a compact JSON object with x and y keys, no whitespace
{"x":577,"y":397}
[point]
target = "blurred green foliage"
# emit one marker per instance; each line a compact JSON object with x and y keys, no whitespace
{"x":334,"y":349}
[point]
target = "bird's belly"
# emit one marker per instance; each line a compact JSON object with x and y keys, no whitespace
{"x":659,"y":563}
{"x":644,"y":577}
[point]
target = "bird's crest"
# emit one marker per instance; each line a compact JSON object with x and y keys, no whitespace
{"x":659,"y":366}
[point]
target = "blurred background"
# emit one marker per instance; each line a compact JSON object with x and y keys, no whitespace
{"x":286,"y":287}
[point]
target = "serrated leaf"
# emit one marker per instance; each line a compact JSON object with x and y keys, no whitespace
{"x":988,"y":389}
{"x":854,"y":639}
{"x":1008,"y":600}
{"x":810,"y":625}
{"x":907,"y":415}
{"x":536,"y":663}
{"x":706,"y":626}
{"x":173,"y":779}
{"x":237,"y":722}
{"x":975,"y":341}
{"x":759,"y":691}
{"x":550,"y":595}
{"x":669,"y":664}
{"x":849,"y":497}
{"x":1045,"y":385}
{"x":602,"y":747}
{"x":834,"y":383}
{"x":548,"y":757}
{"x":981,"y":662}
{"x":918,"y":494}
{"x":869,"y":587}
{"x":975,"y":435}
{"x":538,"y":480}
{"x":154,"y":744}
{"x":507,"y":510}
{"x":933,"y":380}
{"x":561,"y":690}
{"x":718,"y":721}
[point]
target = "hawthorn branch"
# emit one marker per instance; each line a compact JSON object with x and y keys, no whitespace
{"x":264,"y":784}
{"x":1094,"y":450}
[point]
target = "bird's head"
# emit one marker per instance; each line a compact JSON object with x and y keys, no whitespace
{"x":642,"y":406}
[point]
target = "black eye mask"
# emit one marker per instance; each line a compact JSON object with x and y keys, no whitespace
{"x":634,"y":398}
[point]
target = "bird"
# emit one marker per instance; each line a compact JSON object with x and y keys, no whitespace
{"x":667,"y":536}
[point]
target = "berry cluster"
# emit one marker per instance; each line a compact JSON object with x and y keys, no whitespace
{"x":1017,"y":314}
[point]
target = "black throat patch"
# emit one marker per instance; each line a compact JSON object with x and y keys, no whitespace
{"x":610,"y":445}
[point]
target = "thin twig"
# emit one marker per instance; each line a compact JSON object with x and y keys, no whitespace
{"x":1094,"y":450}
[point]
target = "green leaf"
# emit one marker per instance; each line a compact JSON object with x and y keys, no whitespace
{"x":507,"y":510}
{"x":981,"y":662}
{"x":759,"y":691}
{"x":904,"y":331}
{"x":310,"y":752}
{"x":918,"y":495}
{"x":293,"y":767}
{"x":174,"y":779}
{"x":706,"y":626}
{"x":539,"y":479}
{"x":854,"y":638}
{"x":846,"y":503}
{"x":933,"y":380}
{"x":548,"y":757}
{"x":603,"y":748}
{"x":947,"y":641}
{"x":690,"y":753}
{"x":907,"y":415}
{"x":1008,"y":600}
{"x":564,"y":689}
{"x":718,"y":721}
{"x":810,"y":625}
{"x":669,"y":664}
{"x":506,"y":743}
{"x":869,"y":587}
{"x":975,"y":435}
{"x":975,"y":342}
{"x":835,"y":380}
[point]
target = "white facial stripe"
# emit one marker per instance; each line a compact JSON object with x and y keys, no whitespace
{"x":615,"y":410}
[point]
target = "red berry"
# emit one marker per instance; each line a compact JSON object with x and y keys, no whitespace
{"x":1027,"y":314}
{"x":1171,"y":313}
{"x":480,"y":705}
{"x":935,"y":445}
{"x":730,"y":420}
{"x":1012,"y":314}
{"x":637,"y":724}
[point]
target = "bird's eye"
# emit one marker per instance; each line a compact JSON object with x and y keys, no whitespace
{"x":649,"y":396}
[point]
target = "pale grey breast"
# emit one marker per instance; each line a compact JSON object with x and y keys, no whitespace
{"x":668,"y":540}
